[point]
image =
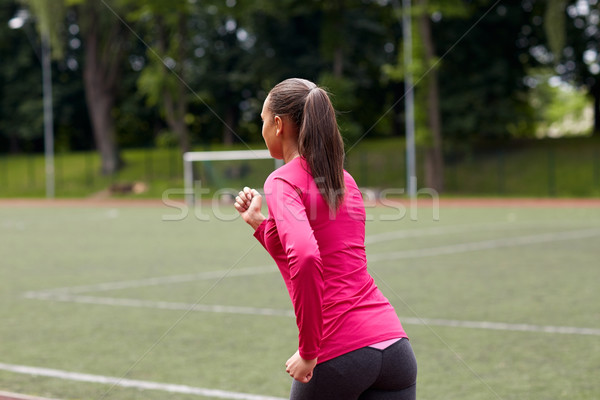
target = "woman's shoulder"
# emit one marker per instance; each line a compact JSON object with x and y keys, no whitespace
{"x":349,"y":180}
{"x":294,"y":173}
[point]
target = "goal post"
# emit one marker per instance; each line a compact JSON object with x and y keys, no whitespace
{"x":231,"y":155}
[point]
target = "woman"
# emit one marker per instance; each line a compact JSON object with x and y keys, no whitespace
{"x":351,"y":344}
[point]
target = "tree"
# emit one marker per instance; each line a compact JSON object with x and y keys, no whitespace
{"x":21,"y":112}
{"x":434,"y":157}
{"x":50,"y":21}
{"x":425,"y":69}
{"x":573,"y":39}
{"x":354,"y":40}
{"x":104,"y":43}
{"x":21,"y":120}
{"x":482,"y":90}
{"x":206,"y":66}
{"x":104,"y":47}
{"x":165,"y":77}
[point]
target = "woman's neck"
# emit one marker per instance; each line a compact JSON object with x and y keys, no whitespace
{"x":290,"y":154}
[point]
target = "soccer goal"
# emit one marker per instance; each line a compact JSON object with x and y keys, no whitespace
{"x":202,"y":156}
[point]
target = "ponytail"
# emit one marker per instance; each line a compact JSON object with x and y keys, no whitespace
{"x":319,"y":139}
{"x":321,"y":144}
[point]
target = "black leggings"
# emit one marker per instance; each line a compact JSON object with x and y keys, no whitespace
{"x":363,"y":374}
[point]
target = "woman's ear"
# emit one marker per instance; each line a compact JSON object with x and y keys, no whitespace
{"x":278,"y":125}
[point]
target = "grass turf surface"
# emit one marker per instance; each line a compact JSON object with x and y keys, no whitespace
{"x":438,"y":272}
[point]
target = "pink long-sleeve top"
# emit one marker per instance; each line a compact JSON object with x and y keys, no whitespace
{"x":321,"y":256}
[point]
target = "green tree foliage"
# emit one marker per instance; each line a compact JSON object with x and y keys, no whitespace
{"x":554,"y":25}
{"x":565,"y":36}
{"x":166,"y":76}
{"x":20,"y":83}
{"x":50,"y":15}
{"x":196,"y":72}
{"x":482,"y":91}
{"x":560,"y":109}
{"x":21,"y":111}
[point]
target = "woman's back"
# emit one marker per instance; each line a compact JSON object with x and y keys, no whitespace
{"x":354,"y":313}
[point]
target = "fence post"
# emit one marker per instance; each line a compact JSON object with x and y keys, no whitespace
{"x":596,"y":167}
{"x":453,"y":163}
{"x":501,"y":174}
{"x":172,"y":154}
{"x":364,"y":167}
{"x":89,"y":168}
{"x":149,"y":170}
{"x":58,"y":169}
{"x":31,"y":171}
{"x":3,"y":170}
{"x":551,"y":172}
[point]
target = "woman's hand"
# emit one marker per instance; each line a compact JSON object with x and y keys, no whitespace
{"x":248,"y":203}
{"x":299,"y":368}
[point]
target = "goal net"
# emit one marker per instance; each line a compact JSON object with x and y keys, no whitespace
{"x":225,"y":170}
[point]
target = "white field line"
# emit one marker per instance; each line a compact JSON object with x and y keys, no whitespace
{"x":501,"y":326}
{"x":160,"y":305}
{"x":486,"y":245}
{"x":161,"y":280}
{"x":406,"y":233}
{"x":172,"y":279}
{"x":445,"y":230}
{"x":376,"y":238}
{"x":131,"y":383}
{"x":69,"y":294}
{"x":20,"y":396}
{"x":274,"y":312}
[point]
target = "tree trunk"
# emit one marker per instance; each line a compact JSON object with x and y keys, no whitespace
{"x":100,"y":103}
{"x":100,"y":75}
{"x":338,"y":62}
{"x":398,"y":128}
{"x":338,"y":53}
{"x":175,"y":105}
{"x":434,"y":158}
{"x":230,"y":124}
{"x":182,"y":129}
{"x":175,"y":116}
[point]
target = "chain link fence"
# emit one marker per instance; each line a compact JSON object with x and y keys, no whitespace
{"x":548,"y":171}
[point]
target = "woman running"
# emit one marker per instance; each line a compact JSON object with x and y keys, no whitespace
{"x":351,"y":344}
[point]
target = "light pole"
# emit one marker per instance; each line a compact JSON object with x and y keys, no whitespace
{"x":17,"y":22}
{"x":409,"y":103}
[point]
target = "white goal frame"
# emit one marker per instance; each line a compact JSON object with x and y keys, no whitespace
{"x":193,"y":156}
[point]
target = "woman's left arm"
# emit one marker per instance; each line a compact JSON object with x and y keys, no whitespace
{"x":299,"y":368}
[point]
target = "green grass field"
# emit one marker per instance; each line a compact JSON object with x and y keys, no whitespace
{"x":499,"y":302}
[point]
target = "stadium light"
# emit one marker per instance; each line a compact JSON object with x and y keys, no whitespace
{"x":17,"y":22}
{"x":19,"y":19}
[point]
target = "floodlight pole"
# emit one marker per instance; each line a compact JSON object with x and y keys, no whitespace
{"x":17,"y":22}
{"x":409,"y":102}
{"x":48,"y":116}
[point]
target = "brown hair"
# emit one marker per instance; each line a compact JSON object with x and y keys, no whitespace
{"x":319,"y":139}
